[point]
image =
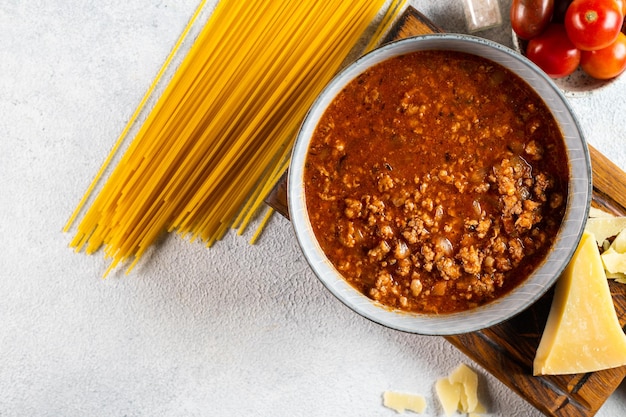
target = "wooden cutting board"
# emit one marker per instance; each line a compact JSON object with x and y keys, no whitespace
{"x":508,"y":349}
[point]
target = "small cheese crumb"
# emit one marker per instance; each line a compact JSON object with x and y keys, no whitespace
{"x":596,"y":212}
{"x":605,"y":227}
{"x":613,"y":261}
{"x":449,"y":395}
{"x":467,"y":379}
{"x":614,"y":258}
{"x":459,"y":392}
{"x":618,"y":276}
{"x":401,"y":402}
{"x":619,"y":244}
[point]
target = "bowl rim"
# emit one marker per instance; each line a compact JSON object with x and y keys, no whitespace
{"x":518,"y":299}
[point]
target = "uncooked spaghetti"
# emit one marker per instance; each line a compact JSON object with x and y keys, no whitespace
{"x":220,"y":134}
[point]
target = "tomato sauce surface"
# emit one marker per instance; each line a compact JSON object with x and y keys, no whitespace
{"x":436,"y":181}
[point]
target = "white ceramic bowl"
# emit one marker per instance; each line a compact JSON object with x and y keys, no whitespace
{"x":545,"y":275}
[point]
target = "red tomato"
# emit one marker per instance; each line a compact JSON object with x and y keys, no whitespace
{"x":593,"y":24}
{"x":621,"y":4}
{"x":553,"y":52}
{"x":530,"y":17}
{"x":605,"y":63}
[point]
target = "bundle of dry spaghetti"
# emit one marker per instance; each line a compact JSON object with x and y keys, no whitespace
{"x":220,"y":134}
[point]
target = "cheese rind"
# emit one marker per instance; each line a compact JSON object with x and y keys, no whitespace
{"x":582,"y":333}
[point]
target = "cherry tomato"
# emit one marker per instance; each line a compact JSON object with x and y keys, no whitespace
{"x":560,"y":8}
{"x":530,"y":17}
{"x":553,"y":52}
{"x":621,"y":4}
{"x":605,"y":63}
{"x":593,"y":24}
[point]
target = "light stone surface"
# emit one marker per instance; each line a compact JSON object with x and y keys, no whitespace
{"x":234,"y":330}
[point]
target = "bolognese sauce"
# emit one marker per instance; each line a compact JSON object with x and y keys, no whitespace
{"x":436,"y":181}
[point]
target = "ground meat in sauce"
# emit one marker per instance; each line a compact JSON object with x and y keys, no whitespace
{"x":435,"y":181}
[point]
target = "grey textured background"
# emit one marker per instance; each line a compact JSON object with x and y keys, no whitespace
{"x":166,"y":339}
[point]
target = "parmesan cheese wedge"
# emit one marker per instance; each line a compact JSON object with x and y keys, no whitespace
{"x":401,"y":402}
{"x":582,"y":333}
{"x":459,"y":391}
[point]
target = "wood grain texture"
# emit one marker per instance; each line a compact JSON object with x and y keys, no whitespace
{"x":508,"y":349}
{"x":609,"y":183}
